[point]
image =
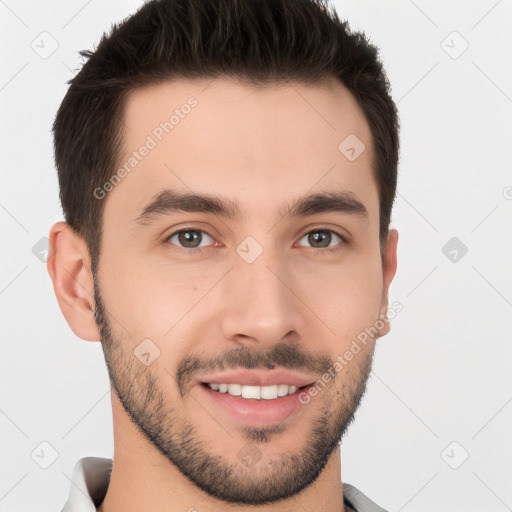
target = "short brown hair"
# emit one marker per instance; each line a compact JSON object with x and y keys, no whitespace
{"x":256,"y":41}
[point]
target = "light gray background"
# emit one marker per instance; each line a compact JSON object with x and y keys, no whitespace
{"x":441,"y":375}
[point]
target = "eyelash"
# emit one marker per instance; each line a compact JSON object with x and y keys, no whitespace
{"x":201,"y":249}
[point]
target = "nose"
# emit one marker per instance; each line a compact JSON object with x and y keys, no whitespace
{"x":262,"y":306}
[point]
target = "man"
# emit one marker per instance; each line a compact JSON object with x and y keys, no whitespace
{"x":227,"y":173}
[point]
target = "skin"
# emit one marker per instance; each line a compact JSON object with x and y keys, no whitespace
{"x":263,"y":148}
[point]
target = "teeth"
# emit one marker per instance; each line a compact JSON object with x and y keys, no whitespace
{"x":234,"y":389}
{"x":282,"y":390}
{"x":268,"y":392}
{"x":255,"y":392}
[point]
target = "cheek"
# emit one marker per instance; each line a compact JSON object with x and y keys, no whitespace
{"x":346,"y":297}
{"x":130,"y":291}
{"x":148,"y":298}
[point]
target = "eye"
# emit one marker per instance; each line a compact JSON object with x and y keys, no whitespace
{"x":188,"y":239}
{"x":321,"y":239}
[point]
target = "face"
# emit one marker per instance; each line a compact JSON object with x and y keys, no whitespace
{"x":188,"y":290}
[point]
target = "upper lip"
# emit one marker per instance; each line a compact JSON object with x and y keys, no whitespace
{"x":258,"y":378}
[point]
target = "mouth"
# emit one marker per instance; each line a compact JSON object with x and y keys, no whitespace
{"x":273,"y":392}
{"x":256,"y":406}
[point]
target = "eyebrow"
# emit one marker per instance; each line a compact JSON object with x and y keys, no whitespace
{"x":171,"y":201}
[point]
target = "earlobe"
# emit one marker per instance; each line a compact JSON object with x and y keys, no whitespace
{"x":388,"y":273}
{"x":69,"y":267}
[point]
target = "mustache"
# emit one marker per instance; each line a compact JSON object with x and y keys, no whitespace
{"x":287,"y":356}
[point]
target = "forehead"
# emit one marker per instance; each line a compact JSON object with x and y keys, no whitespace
{"x":256,"y":145}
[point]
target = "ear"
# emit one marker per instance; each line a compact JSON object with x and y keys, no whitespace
{"x":69,"y":266}
{"x":388,"y":273}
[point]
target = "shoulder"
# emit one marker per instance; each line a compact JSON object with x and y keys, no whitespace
{"x":354,"y":498}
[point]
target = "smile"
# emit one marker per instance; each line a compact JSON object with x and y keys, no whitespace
{"x":255,"y":392}
{"x":255,"y":406}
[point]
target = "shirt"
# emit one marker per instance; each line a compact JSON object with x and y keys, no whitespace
{"x":91,"y":478}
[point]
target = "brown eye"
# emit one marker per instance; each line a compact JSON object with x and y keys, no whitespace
{"x":321,"y":239}
{"x":188,"y":238}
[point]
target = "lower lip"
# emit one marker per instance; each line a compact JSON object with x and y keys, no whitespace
{"x":252,"y":411}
